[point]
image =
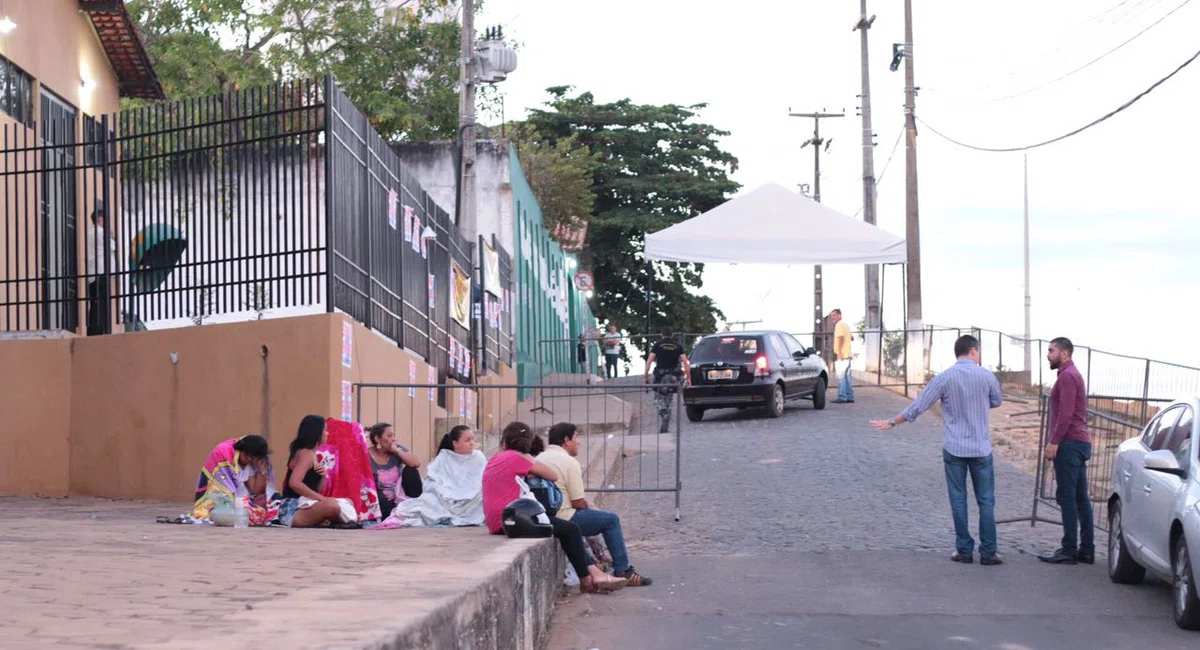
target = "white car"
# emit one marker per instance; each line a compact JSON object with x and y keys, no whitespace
{"x":1154,"y":507}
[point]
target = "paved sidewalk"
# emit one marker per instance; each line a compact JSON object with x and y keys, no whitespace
{"x":94,"y":573}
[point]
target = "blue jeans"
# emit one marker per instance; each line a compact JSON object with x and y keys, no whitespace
{"x":601,"y":522}
{"x":983,"y":478}
{"x":1070,"y":472}
{"x":845,"y":383}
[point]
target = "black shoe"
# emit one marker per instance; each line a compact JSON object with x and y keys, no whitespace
{"x":1086,"y":557}
{"x":1060,"y":557}
{"x":963,"y":559}
{"x":843,"y":401}
{"x":990,"y":560}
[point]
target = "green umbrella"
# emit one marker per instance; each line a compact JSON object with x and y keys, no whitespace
{"x":153,"y":255}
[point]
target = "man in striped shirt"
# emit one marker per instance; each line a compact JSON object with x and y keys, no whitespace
{"x":967,"y":393}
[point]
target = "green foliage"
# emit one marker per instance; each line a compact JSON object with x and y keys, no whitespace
{"x":398,"y":66}
{"x":559,"y":173}
{"x":654,"y":166}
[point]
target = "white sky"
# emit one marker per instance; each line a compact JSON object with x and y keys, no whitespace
{"x":1113,"y":220}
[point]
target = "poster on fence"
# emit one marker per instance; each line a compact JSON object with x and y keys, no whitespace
{"x":462,"y":403}
{"x":451,"y":351}
{"x":460,"y":296}
{"x":431,"y":379}
{"x":392,"y":198}
{"x":491,"y":270}
{"x":466,"y":371}
{"x":412,"y":378}
{"x":432,"y":291}
{"x":347,"y":344}
{"x":427,"y":236}
{"x":470,"y":405}
{"x":347,"y":401}
{"x":408,"y":233}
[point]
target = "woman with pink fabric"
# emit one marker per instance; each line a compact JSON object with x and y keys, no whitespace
{"x":238,"y":468}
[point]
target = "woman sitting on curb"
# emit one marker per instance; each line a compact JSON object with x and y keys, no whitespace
{"x":395,"y":468}
{"x":303,"y":505}
{"x":236,"y":468}
{"x":500,"y":488}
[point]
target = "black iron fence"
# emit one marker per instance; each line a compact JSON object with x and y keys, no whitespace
{"x":269,"y":201}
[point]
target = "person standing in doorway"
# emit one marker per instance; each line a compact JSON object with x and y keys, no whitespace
{"x":1070,"y":448}
{"x":671,"y":368}
{"x":612,"y":351}
{"x":967,"y":392}
{"x":843,"y":355}
{"x":581,"y":355}
{"x":100,"y":263}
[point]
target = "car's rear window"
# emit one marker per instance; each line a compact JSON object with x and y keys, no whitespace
{"x":726,"y":349}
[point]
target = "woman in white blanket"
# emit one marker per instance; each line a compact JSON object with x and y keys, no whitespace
{"x":453,"y":491}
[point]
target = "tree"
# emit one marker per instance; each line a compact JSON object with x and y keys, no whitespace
{"x":398,"y":65}
{"x":655,"y":166}
{"x":559,"y":173}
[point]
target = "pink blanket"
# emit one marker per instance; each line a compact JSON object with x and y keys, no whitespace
{"x":351,"y":477}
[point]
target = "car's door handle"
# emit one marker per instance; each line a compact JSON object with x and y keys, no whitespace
{"x":1127,"y":475}
{"x":1146,"y":489}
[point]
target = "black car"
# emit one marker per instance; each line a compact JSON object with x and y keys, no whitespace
{"x":743,"y":369}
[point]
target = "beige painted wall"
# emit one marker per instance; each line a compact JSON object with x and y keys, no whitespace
{"x":35,"y":386}
{"x":142,"y":425}
{"x":116,"y":416}
{"x":55,"y":43}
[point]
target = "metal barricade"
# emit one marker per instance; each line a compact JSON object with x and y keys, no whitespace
{"x":623,"y":447}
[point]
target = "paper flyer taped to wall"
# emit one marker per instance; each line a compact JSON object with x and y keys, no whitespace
{"x":392,"y":198}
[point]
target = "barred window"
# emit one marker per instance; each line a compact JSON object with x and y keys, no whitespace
{"x":16,"y":92}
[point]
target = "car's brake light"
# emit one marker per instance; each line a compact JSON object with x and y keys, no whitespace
{"x":760,"y":366}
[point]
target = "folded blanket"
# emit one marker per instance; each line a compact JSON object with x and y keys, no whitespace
{"x":350,"y":477}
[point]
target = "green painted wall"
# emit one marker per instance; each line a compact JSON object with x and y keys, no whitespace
{"x":550,"y":313}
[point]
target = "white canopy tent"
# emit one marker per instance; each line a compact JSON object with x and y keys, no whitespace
{"x":773,"y":225}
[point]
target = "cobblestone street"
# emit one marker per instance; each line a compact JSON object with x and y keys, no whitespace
{"x":816,"y":531}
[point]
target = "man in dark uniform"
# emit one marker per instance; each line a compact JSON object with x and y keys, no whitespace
{"x":671,"y":368}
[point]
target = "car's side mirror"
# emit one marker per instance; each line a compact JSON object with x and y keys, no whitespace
{"x":810,"y":352}
{"x":1163,"y":460}
{"x":799,"y":355}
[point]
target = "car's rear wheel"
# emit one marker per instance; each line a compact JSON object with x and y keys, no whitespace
{"x":775,"y":407}
{"x":695,"y":413}
{"x":1122,"y":569}
{"x":819,"y":394}
{"x":1187,"y":603}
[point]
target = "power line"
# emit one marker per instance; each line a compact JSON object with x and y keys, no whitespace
{"x":1081,"y":129}
{"x":879,"y":179}
{"x":1089,"y":63}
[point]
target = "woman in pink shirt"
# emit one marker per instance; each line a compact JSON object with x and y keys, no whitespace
{"x":500,"y":488}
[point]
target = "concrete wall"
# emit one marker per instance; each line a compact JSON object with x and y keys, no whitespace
{"x":432,"y":163}
{"x":511,"y":610}
{"x":34,"y":386}
{"x":135,"y":415}
{"x":142,"y":424}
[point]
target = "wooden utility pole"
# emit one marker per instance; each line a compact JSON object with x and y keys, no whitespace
{"x":465,"y":212}
{"x":873,"y":319}
{"x":817,"y":143}
{"x":1028,"y":329}
{"x":912,"y":230}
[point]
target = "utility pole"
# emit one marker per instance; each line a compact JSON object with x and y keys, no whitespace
{"x":914,"y":357}
{"x":817,"y":142}
{"x":1028,"y":302}
{"x":873,"y":319}
{"x":465,"y":212}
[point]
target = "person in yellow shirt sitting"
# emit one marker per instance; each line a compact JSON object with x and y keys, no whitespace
{"x":560,"y":456}
{"x":842,"y":352}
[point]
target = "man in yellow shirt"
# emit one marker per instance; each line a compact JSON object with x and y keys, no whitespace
{"x":843,"y":355}
{"x":560,"y":456}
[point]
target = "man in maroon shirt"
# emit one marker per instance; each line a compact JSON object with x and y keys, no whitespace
{"x":1070,"y":447}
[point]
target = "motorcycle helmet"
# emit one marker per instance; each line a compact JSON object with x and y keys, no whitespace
{"x":526,"y":518}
